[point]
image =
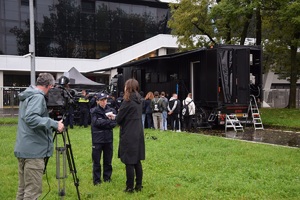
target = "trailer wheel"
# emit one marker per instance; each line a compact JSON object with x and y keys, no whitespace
{"x":254,"y":90}
{"x":199,"y":118}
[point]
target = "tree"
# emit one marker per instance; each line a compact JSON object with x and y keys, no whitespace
{"x":282,"y":28}
{"x":189,"y":20}
{"x":227,"y":21}
{"x":23,"y":38}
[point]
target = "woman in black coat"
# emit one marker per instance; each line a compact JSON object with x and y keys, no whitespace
{"x":132,"y":142}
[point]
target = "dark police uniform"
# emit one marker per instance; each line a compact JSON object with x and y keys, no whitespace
{"x":102,"y":141}
{"x":84,"y":106}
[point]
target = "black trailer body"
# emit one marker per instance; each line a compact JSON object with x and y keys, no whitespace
{"x":221,"y":79}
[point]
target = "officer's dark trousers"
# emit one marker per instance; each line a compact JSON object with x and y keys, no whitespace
{"x":107,"y":149}
{"x":84,"y":117}
{"x":70,"y":118}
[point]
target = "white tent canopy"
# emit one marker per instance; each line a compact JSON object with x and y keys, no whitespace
{"x":79,"y":80}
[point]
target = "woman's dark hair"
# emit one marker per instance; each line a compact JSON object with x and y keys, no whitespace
{"x":131,"y":86}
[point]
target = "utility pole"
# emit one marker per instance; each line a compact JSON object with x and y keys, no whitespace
{"x":32,"y":43}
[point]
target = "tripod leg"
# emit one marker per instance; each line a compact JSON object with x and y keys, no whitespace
{"x":61,"y":175}
{"x":64,"y":153}
{"x":71,"y":162}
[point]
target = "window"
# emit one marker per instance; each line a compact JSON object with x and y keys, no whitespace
{"x":88,"y":6}
{"x":26,"y":3}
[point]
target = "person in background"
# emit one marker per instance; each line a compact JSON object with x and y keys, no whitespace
{"x":164,"y":113}
{"x":156,"y":105}
{"x":187,"y":120}
{"x":173,"y":112}
{"x":148,"y":109}
{"x":144,"y":108}
{"x":132,"y":141}
{"x":93,"y":101}
{"x":84,"y":106}
{"x":69,"y":120}
{"x":70,"y":117}
{"x":102,"y":124}
{"x":119,"y":101}
{"x":34,"y":142}
{"x":111,"y":102}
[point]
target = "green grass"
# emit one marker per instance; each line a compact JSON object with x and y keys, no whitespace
{"x":177,"y":166}
{"x":281,"y":118}
{"x":9,"y":120}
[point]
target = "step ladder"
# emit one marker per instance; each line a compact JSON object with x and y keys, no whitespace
{"x":212,"y":116}
{"x":233,"y":122}
{"x":256,"y":119}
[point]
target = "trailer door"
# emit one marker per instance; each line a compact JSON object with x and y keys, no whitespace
{"x":242,"y":76}
{"x":226,"y":70}
{"x":234,"y":74}
{"x":205,"y":78}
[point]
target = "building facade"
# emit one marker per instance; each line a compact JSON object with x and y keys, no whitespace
{"x":86,"y":29}
{"x":80,"y":28}
{"x":74,"y":29}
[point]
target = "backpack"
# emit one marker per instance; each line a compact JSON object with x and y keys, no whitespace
{"x":185,"y":109}
{"x":156,"y":107}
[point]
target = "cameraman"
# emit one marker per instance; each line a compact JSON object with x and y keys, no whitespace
{"x":103,"y":122}
{"x":84,"y":106}
{"x":34,"y":140}
{"x":69,"y":121}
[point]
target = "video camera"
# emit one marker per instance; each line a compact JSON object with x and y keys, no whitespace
{"x":60,"y":98}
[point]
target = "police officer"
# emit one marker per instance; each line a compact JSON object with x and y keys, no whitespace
{"x":84,"y":109}
{"x":119,"y":100}
{"x":111,"y":102}
{"x":102,"y":124}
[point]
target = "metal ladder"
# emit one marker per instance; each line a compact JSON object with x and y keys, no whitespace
{"x":212,"y":116}
{"x":233,"y":122}
{"x":256,"y":119}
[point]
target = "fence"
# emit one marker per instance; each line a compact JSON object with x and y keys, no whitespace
{"x":279,"y":98}
{"x":9,"y":101}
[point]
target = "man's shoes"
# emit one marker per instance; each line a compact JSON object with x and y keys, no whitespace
{"x":129,"y":190}
{"x":138,"y":188}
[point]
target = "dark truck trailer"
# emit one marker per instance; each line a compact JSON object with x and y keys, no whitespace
{"x":221,"y":79}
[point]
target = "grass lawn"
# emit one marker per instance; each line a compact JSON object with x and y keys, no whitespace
{"x":177,"y":166}
{"x":281,"y":118}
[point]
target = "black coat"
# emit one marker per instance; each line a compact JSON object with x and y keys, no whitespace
{"x":132,"y":142}
{"x":147,"y":105}
{"x":178,"y":106}
{"x":101,"y":126}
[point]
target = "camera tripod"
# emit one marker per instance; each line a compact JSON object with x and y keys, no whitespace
{"x":63,"y":154}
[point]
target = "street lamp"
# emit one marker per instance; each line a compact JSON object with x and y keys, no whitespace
{"x":32,"y":45}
